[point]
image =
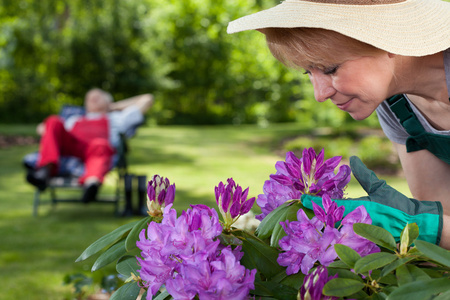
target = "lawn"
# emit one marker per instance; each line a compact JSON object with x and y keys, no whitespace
{"x":37,"y":252}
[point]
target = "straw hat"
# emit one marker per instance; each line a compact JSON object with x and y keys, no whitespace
{"x":405,"y":27}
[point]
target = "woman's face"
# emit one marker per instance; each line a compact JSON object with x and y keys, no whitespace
{"x":356,"y":86}
{"x":96,"y":102}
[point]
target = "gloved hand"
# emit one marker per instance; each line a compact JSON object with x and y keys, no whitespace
{"x":389,"y":208}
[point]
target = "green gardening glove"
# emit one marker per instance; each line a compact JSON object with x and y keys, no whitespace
{"x":389,"y":208}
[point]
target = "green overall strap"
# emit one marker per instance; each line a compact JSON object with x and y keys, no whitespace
{"x":401,"y":108}
{"x":419,"y":139}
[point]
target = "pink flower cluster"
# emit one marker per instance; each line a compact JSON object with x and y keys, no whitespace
{"x":185,"y":255}
{"x":312,"y":240}
{"x":309,"y":174}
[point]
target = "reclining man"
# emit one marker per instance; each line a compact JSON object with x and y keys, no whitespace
{"x":92,"y":138}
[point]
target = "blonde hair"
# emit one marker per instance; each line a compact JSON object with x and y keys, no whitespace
{"x":314,"y":47}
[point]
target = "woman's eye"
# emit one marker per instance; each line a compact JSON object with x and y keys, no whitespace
{"x":307,"y":72}
{"x":331,"y":70}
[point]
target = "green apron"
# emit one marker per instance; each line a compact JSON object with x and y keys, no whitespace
{"x":419,"y":139}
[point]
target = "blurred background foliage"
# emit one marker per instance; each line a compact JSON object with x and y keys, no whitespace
{"x":52,"y":52}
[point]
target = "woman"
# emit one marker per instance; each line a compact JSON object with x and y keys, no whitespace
{"x":389,"y":56}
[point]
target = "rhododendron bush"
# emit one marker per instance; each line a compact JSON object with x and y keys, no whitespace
{"x":295,"y":252}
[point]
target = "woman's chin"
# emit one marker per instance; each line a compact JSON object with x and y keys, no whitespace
{"x":359,"y":116}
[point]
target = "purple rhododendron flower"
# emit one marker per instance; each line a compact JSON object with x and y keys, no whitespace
{"x":307,"y":175}
{"x":312,"y":240}
{"x":274,"y":195}
{"x":220,"y":277}
{"x":185,"y":255}
{"x":313,"y":285}
{"x":232,"y":201}
{"x":160,"y":194}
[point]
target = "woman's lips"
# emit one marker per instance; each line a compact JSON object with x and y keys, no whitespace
{"x":345,"y":106}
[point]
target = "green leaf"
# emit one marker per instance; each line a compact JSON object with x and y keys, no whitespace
{"x":133,"y":236}
{"x":275,"y":290}
{"x":409,"y":234}
{"x":374,"y":261}
{"x":343,"y":274}
{"x":389,"y":279}
{"x":341,"y":287}
{"x":163,"y":295}
{"x":394,"y":265}
{"x":377,"y":296}
{"x":261,"y":289}
{"x":106,"y":240}
{"x":347,"y":254}
{"x":444,"y":296}
{"x":378,"y":235}
{"x":128,"y":291}
{"x":110,"y":255}
{"x":421,"y":289}
{"x":270,"y":225}
{"x":289,"y":214}
{"x":339,"y":264}
{"x":127,"y":265}
{"x":434,"y":252}
{"x":277,"y":234}
{"x":434,"y":273}
{"x":294,"y":280}
{"x":259,"y":255}
{"x":410,"y":273}
{"x":229,"y":239}
{"x":267,"y":225}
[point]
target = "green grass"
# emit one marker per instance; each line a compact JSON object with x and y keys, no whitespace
{"x":36,"y":253}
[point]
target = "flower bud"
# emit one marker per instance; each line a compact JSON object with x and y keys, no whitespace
{"x":313,"y":285}
{"x":160,"y":193}
{"x":232,"y":202}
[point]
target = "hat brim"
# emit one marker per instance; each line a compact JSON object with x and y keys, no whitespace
{"x":411,"y":28}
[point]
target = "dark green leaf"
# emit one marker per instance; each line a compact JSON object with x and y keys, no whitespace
{"x":106,"y":240}
{"x":394,"y":265}
{"x":128,"y":291}
{"x":110,"y":255}
{"x":434,"y":273}
{"x":374,"y":261}
{"x":421,"y":289}
{"x":295,"y":280}
{"x":133,"y":236}
{"x":267,"y":225}
{"x":358,"y":295}
{"x":434,"y":252}
{"x":229,"y":239}
{"x":341,"y":287}
{"x":347,"y":254}
{"x":376,"y":296}
{"x":275,"y":290}
{"x":261,"y":289}
{"x":339,"y":264}
{"x":342,"y":273}
{"x":259,"y":255}
{"x":410,"y":273}
{"x":378,"y":235}
{"x":127,"y":265}
{"x":444,"y":296}
{"x":389,"y":280}
{"x":163,"y":295}
{"x":289,"y":214}
{"x":277,"y":234}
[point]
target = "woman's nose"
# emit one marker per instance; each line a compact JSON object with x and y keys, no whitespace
{"x":323,"y":88}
